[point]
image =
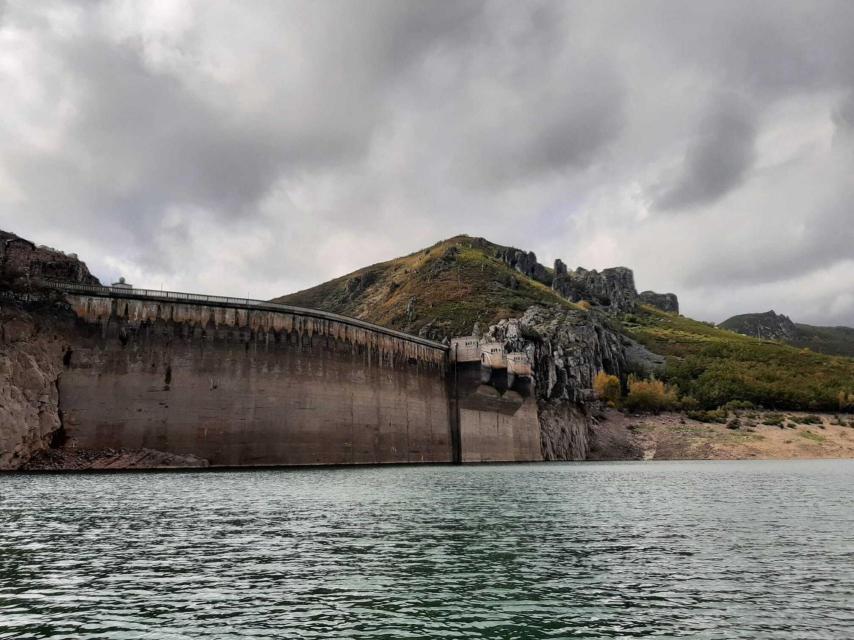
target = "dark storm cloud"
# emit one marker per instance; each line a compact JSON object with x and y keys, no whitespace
{"x":563,"y":128}
{"x":718,"y":159}
{"x":211,"y":145}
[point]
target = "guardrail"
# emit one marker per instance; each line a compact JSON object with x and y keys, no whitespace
{"x":224,"y":301}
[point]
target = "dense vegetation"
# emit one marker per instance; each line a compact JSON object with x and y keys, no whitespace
{"x":715,"y":366}
{"x":831,"y":340}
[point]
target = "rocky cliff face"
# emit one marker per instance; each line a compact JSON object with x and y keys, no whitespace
{"x":568,"y":347}
{"x":32,"y":347}
{"x":664,"y":301}
{"x":31,"y":356}
{"x":614,"y":287}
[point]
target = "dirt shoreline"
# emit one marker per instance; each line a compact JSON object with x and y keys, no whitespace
{"x":673,"y":436}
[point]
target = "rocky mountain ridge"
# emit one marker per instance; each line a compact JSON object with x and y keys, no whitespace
{"x":443,"y":290}
{"x":775,"y":326}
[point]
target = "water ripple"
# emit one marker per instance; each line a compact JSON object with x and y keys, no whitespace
{"x":627,"y":550}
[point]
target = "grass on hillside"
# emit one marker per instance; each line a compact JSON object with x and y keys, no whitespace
{"x":450,"y":286}
{"x":716,"y":366}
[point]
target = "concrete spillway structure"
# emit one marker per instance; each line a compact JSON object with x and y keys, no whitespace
{"x":242,"y":382}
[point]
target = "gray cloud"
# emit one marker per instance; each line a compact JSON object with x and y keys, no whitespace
{"x":217,"y":147}
{"x":718,"y":160}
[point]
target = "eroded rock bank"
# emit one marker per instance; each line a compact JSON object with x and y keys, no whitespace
{"x":30,"y":365}
{"x":33,"y":344}
{"x":70,"y":459}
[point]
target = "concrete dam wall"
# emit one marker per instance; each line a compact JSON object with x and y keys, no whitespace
{"x":239,"y":386}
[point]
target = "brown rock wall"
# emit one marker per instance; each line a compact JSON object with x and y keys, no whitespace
{"x":30,"y":365}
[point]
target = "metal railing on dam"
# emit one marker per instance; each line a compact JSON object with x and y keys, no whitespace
{"x":224,"y":301}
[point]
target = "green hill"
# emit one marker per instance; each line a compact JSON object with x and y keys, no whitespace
{"x":440,"y":291}
{"x":716,"y":366}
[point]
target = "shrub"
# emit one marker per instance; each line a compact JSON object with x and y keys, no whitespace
{"x":810,"y":419}
{"x":774,"y":419}
{"x":845,"y":401}
{"x":689,"y":403}
{"x":650,"y":395}
{"x":607,"y":388}
{"x":735,"y":423}
{"x":737,"y":405}
{"x":718,"y":416}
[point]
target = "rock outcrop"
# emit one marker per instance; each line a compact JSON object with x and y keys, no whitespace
{"x":524,"y":262}
{"x":613,"y":287}
{"x":22,"y":262}
{"x":568,"y":347}
{"x":30,"y":364}
{"x":768,"y":326}
{"x":665,"y":301}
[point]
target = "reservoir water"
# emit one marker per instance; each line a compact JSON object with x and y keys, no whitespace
{"x":577,"y":550}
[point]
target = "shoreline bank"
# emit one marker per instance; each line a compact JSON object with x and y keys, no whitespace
{"x":674,"y":436}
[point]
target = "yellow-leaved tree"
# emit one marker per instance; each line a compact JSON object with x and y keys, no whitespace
{"x":650,"y":395}
{"x":607,"y":388}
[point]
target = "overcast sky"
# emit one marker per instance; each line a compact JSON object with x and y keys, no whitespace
{"x":257,"y":148}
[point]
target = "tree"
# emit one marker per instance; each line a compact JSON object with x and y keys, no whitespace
{"x":650,"y":395}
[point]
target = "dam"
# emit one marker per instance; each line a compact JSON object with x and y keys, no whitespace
{"x":241,"y":382}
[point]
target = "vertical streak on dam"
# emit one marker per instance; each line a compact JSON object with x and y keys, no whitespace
{"x":250,"y":387}
{"x":254,"y":386}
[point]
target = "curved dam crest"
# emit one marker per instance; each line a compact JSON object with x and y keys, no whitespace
{"x":242,"y":385}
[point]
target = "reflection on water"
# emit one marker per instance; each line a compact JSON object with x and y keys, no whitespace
{"x":610,"y":550}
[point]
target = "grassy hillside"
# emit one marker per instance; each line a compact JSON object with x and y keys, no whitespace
{"x":444,"y":290}
{"x":716,"y":366}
